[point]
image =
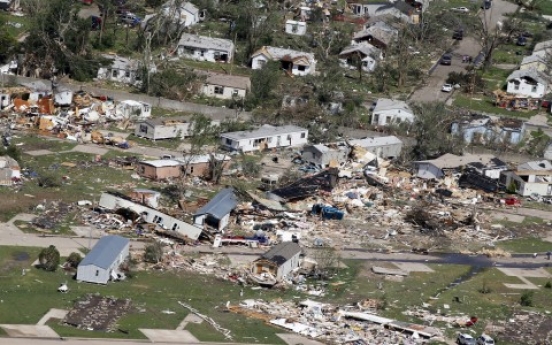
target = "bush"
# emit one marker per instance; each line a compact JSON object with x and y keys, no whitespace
{"x":48,"y":180}
{"x":74,"y":259}
{"x":548,"y":285}
{"x":49,"y":259}
{"x":526,"y":299}
{"x":153,"y":253}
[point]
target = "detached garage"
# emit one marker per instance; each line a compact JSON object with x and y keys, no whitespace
{"x":103,"y":261}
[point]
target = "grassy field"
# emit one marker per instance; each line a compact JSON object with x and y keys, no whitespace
{"x":27,"y":298}
{"x":85,"y":181}
{"x":35,"y":142}
{"x":525,"y":245}
{"x":480,"y":103}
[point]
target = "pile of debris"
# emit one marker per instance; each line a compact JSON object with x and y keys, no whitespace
{"x":337,"y":325}
{"x":524,"y":328}
{"x":53,"y":213}
{"x":97,"y":313}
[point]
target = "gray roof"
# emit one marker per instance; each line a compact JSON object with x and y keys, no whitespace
{"x":450,"y":161}
{"x":122,"y":63}
{"x":220,"y":205}
{"x":376,"y":141}
{"x":529,"y":73}
{"x":283,"y":53}
{"x":281,"y":253}
{"x":234,"y":81}
{"x":37,"y":86}
{"x":544,"y":45}
{"x":364,"y":48}
{"x":105,"y":252}
{"x":263,"y":132}
{"x":532,"y":58}
{"x":187,"y":6}
{"x":383,"y":104}
{"x":536,"y":165}
{"x":169,"y":119}
{"x":196,"y":41}
{"x":379,"y":31}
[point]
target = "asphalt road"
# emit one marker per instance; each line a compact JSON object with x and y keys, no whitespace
{"x":468,"y":46}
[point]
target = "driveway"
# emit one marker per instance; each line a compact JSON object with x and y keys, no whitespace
{"x":468,"y":46}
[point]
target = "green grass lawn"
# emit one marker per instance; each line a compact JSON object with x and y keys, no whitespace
{"x":34,"y":142}
{"x":27,"y":298}
{"x":170,"y":144}
{"x":525,"y":245}
{"x":484,"y":104}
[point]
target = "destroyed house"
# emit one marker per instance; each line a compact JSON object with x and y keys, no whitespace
{"x":102,"y":262}
{"x":279,"y":261}
{"x":530,"y":178}
{"x":292,"y":61}
{"x":10,"y":172}
{"x":120,"y":70}
{"x":472,"y":179}
{"x":306,"y":186}
{"x":362,"y":53}
{"x":439,"y":167}
{"x":379,"y":34}
{"x":160,"y":169}
{"x":216,"y":213}
{"x":265,"y":137}
{"x":387,"y":147}
{"x":174,"y":227}
{"x":203,"y":48}
{"x":199,"y":165}
{"x":482,"y":129}
{"x":325,"y":155}
{"x":528,"y":82}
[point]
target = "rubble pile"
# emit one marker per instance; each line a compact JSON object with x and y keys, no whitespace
{"x":53,"y":213}
{"x":97,"y":313}
{"x":336,"y":325}
{"x":529,"y":328}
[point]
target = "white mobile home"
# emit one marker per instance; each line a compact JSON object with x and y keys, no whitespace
{"x":226,"y":86}
{"x":292,"y":61}
{"x":164,"y":128}
{"x":296,"y":28}
{"x":114,"y":201}
{"x":389,"y":111}
{"x":279,"y":261}
{"x":266,"y":137}
{"x":103,"y":261}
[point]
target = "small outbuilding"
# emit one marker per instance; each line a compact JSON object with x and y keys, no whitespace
{"x":159,"y":169}
{"x":103,"y":261}
{"x":279,"y":261}
{"x":216,"y":213}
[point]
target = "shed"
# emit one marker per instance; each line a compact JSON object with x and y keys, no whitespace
{"x":102,"y":262}
{"x":216,"y":212}
{"x":159,"y":169}
{"x":279,"y":261}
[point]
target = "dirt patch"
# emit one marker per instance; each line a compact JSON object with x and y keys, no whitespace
{"x":19,"y":203}
{"x":21,"y":256}
{"x":528,"y":328}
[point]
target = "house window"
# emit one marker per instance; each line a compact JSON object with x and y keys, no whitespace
{"x":115,"y":73}
{"x":516,"y":86}
{"x":142,"y":169}
{"x":389,"y":119}
{"x":174,"y":227}
{"x":289,"y":137}
{"x":143,"y":129}
{"x":127,"y":74}
{"x":191,"y":170}
{"x":257,"y":142}
{"x":97,"y":273}
{"x":261,"y":63}
{"x":269,"y":140}
{"x":376,"y":118}
{"x":146,"y":108}
{"x":228,"y":141}
{"x":294,"y":28}
{"x":202,"y":52}
{"x":219,"y":90}
{"x":301,"y":68}
{"x":534,"y":88}
{"x":235,"y":93}
{"x":303,"y":135}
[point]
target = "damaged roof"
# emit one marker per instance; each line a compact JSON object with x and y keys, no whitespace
{"x":284,"y":54}
{"x":220,"y":205}
{"x":234,"y":81}
{"x":105,"y":252}
{"x":383,"y":104}
{"x":306,"y":186}
{"x":364,"y":48}
{"x":263,"y":132}
{"x":450,"y":161}
{"x":531,"y":73}
{"x":376,"y":141}
{"x":281,"y":253}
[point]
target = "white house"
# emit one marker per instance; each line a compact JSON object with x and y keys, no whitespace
{"x":102,"y":263}
{"x":129,"y":109}
{"x":279,"y":261}
{"x":226,"y":86}
{"x":216,"y":213}
{"x":293,"y":61}
{"x":205,"y":48}
{"x":387,"y":147}
{"x":528,"y":83}
{"x":114,"y":201}
{"x":365,"y":52}
{"x":379,"y":34}
{"x":388,"y":111}
{"x":185,"y":13}
{"x":121,"y":70}
{"x":530,"y":178}
{"x":545,"y":46}
{"x":164,"y":128}
{"x":63,"y":96}
{"x":537,"y":60}
{"x":296,"y":28}
{"x":265,"y":137}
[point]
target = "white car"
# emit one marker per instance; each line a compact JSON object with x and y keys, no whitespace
{"x":465,"y":339}
{"x":461,"y":9}
{"x":447,"y":88}
{"x":485,"y":340}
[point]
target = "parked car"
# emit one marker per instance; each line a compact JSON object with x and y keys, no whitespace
{"x":465,"y":339}
{"x":447,"y":88}
{"x":458,"y":34}
{"x":486,"y":4}
{"x":512,"y":201}
{"x":461,"y":9}
{"x":96,"y":22}
{"x":521,"y":41}
{"x":130,"y":19}
{"x":485,"y":340}
{"x":446,"y":59}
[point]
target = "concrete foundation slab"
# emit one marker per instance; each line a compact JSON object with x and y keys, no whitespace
{"x":29,"y":331}
{"x":87,"y":231}
{"x":525,"y":272}
{"x":39,"y":152}
{"x":295,"y":339}
{"x":169,"y":336}
{"x":413,"y":267}
{"x":515,"y":218}
{"x":389,"y":271}
{"x":52,"y":314}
